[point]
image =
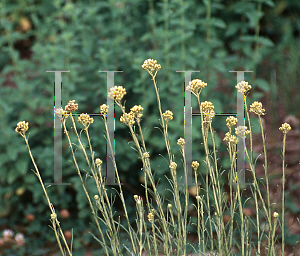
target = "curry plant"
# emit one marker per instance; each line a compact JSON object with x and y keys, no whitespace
{"x":222,"y":226}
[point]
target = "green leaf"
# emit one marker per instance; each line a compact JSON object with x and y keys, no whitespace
{"x":22,"y":164}
{"x":11,"y":176}
{"x":257,"y":96}
{"x":262,"y":84}
{"x":30,"y":178}
{"x":218,"y":65}
{"x":145,"y":37}
{"x":7,"y":69}
{"x":248,"y":38}
{"x":254,"y":17}
{"x":265,"y":41}
{"x":232,"y":28}
{"x":206,"y":2}
{"x":293,"y":207}
{"x":12,"y":152}
{"x":218,"y":23}
{"x":25,"y":115}
{"x":261,"y":40}
{"x":242,"y":7}
{"x":3,"y":159}
{"x":269,"y":2}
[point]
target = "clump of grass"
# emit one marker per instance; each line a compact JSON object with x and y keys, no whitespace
{"x":163,"y":229}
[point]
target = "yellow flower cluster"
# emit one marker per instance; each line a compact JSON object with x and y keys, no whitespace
{"x":98,"y":162}
{"x":71,"y":106}
{"x":207,"y":106}
{"x":243,"y":87}
{"x":146,"y":155}
{"x":130,"y":119}
{"x":168,"y":115}
{"x":138,"y":199}
{"x":53,"y":216}
{"x":231,"y":138}
{"x":209,"y":116}
{"x":231,"y":121}
{"x":181,"y":142}
{"x":117,"y":93}
{"x":137,"y":111}
{"x":256,"y":107}
{"x":285,"y":128}
{"x":242,"y":131}
{"x":195,"y":86}
{"x":22,"y":128}
{"x":208,"y":111}
{"x":104,"y":109}
{"x":86,"y":120}
{"x":151,"y":216}
{"x":195,"y":165}
{"x":173,"y":166}
{"x":150,"y":65}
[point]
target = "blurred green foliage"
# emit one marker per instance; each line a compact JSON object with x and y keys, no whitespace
{"x":85,"y":37}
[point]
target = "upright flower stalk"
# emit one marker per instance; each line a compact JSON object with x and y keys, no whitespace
{"x":275,"y":216}
{"x":243,"y":87}
{"x":150,"y":66}
{"x":22,"y":128}
{"x":207,"y":114}
{"x":117,"y":93}
{"x":129,"y":119}
{"x":256,"y":107}
{"x":285,"y":128}
{"x":241,"y":131}
{"x":195,"y":87}
{"x":181,"y":143}
{"x":232,"y":141}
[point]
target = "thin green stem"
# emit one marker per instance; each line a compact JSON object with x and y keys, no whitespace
{"x":37,"y":173}
{"x":79,"y":174}
{"x":161,"y":118}
{"x":267,"y":179}
{"x":108,"y":217}
{"x":273,"y":237}
{"x":186,"y":202}
{"x":121,"y":191}
{"x":283,"y":197}
{"x":147,"y":169}
{"x":255,"y":192}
